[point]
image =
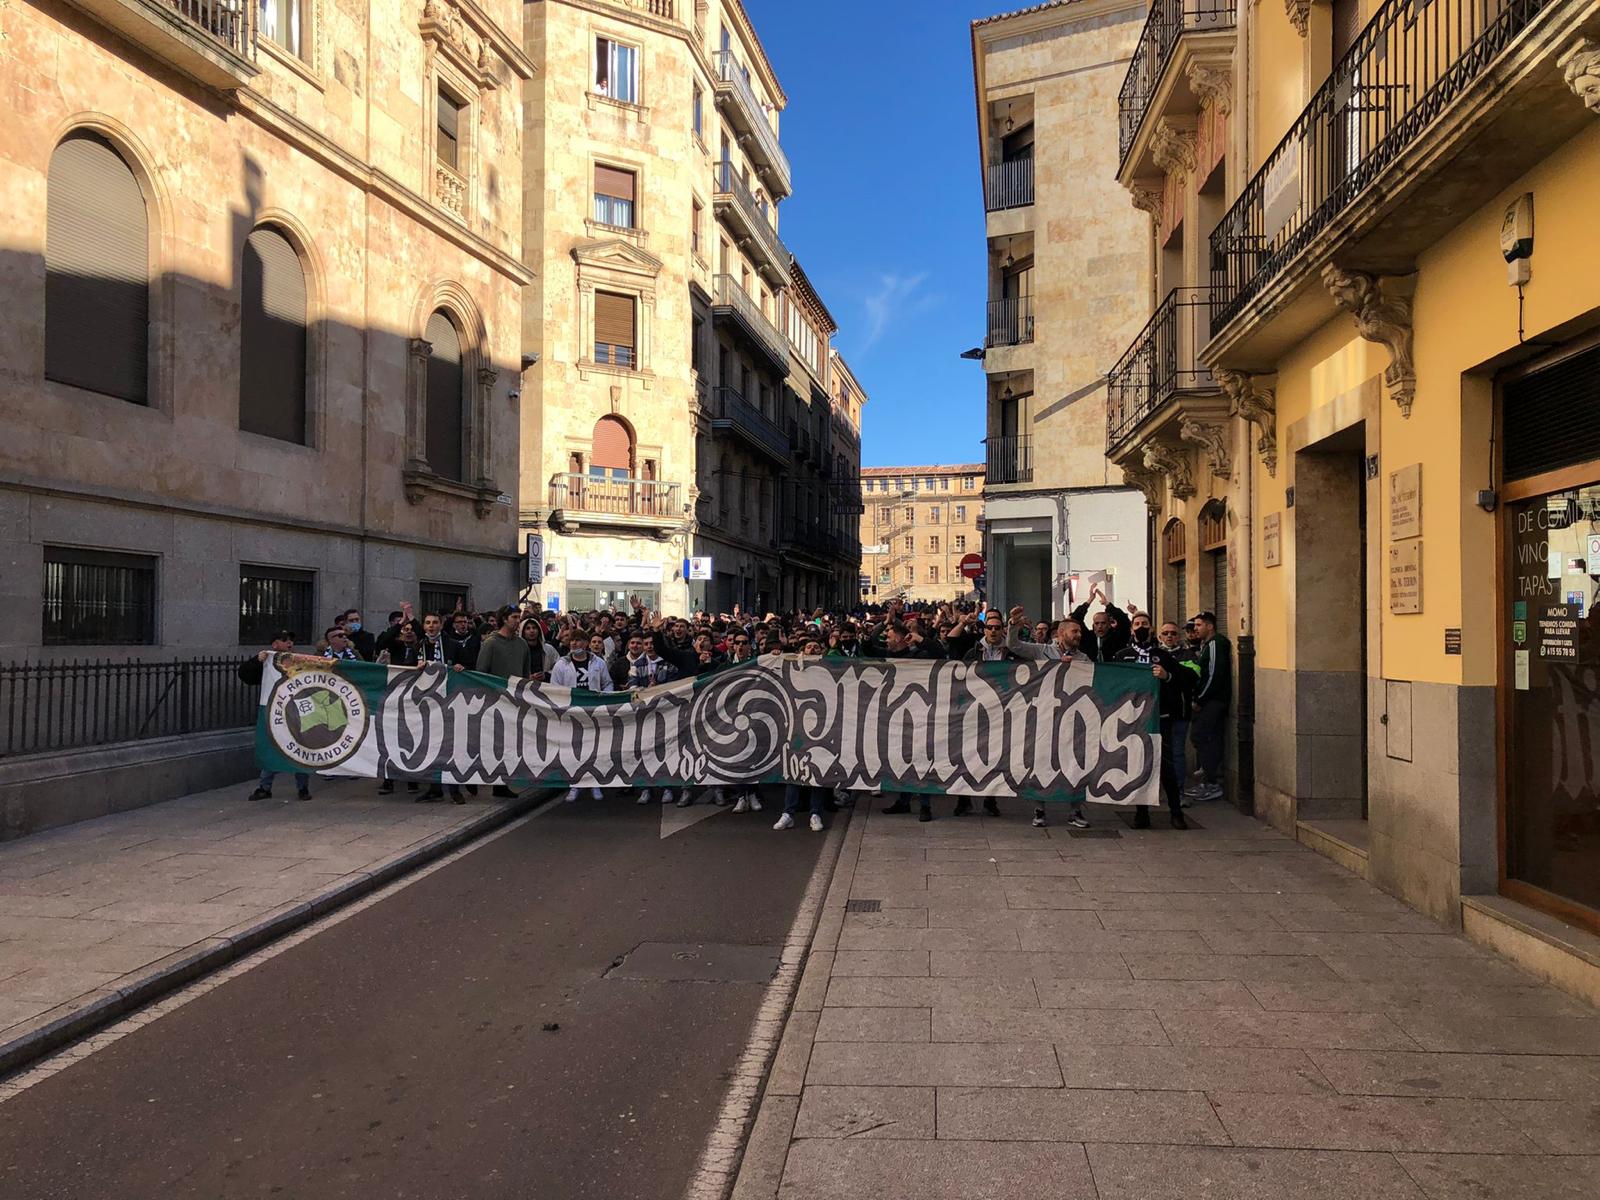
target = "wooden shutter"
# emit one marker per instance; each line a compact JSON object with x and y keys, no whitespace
{"x":1548,"y":417}
{"x":613,"y":445}
{"x":272,"y":339}
{"x":443,"y":437}
{"x":1346,"y":26}
{"x":97,"y":272}
{"x":609,"y":181}
{"x":613,"y":319}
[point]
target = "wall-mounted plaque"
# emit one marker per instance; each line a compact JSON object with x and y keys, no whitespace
{"x":1405,"y":576}
{"x":1272,"y":539}
{"x":1405,"y":503}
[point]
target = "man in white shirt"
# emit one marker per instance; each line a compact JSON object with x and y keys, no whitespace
{"x":581,"y":671}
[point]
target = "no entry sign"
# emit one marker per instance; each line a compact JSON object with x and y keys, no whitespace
{"x":972,"y":566}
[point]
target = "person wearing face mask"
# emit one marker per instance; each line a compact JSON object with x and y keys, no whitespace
{"x":363,"y":641}
{"x":1177,"y":686}
{"x":581,"y":670}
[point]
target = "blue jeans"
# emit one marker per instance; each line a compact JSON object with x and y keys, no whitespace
{"x":791,"y":799}
{"x":302,"y":782}
{"x":1178,"y":744}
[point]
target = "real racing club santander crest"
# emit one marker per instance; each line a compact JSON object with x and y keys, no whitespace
{"x":316,"y":716}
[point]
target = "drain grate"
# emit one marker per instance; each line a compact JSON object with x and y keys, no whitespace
{"x":863,"y":906}
{"x":1093,"y":833}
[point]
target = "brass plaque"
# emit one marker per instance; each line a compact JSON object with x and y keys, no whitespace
{"x":1272,"y":539}
{"x":1405,"y":503}
{"x":1405,"y":577}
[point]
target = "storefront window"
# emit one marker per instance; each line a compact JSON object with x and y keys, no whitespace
{"x":1553,"y":688}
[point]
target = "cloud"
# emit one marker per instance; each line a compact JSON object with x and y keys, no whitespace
{"x":896,"y":298}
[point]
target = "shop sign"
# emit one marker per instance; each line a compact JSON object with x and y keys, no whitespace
{"x":1405,"y":577}
{"x":1405,"y":503}
{"x":1272,"y":539}
{"x":1558,"y":632}
{"x":1452,"y":641}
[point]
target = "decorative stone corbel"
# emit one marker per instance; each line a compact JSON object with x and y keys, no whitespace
{"x":1214,"y":440}
{"x":1146,"y":198}
{"x":1299,"y":15}
{"x":1173,"y":464}
{"x":1148,"y":482}
{"x":1580,"y":67}
{"x":1256,"y":405}
{"x":1212,"y":85}
{"x":1382,"y":319}
{"x":1173,"y":149}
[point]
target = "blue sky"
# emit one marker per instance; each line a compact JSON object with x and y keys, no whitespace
{"x":887,"y":215}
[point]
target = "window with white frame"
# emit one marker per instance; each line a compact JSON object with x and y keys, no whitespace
{"x":961,"y":512}
{"x":615,"y":192}
{"x":961,"y":543}
{"x":616,"y":70}
{"x":282,"y":22}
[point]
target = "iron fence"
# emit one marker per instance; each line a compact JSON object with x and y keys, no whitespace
{"x":1010,"y":321}
{"x":54,"y":706}
{"x":1008,"y":184}
{"x":1406,"y":68}
{"x":1008,"y":458}
{"x":227,"y":21}
{"x":1160,"y":362}
{"x":614,"y":497}
{"x":1167,"y":22}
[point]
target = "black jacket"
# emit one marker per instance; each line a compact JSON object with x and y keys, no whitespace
{"x":1176,"y":688}
{"x":250,"y":672}
{"x":1216,"y":672}
{"x":365,"y":645}
{"x":1119,"y":635}
{"x":463,"y":652}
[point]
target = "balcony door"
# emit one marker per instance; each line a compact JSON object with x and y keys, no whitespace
{"x":1015,"y":315}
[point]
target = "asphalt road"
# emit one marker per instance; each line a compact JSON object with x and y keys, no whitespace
{"x":402,"y":1052}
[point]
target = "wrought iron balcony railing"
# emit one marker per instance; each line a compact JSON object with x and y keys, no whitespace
{"x":732,"y":413}
{"x":1008,"y":458}
{"x":1168,"y":21}
{"x":227,"y":21}
{"x":1010,"y":322}
{"x":725,"y":182}
{"x":1159,"y":363}
{"x":732,"y":299}
{"x":616,"y":497}
{"x":768,"y":153}
{"x":1008,"y":184}
{"x":1404,"y":72}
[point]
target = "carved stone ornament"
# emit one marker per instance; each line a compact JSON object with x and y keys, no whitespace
{"x":1299,"y":15}
{"x":1148,"y":482}
{"x":1146,"y":198}
{"x":1173,"y":149}
{"x":444,"y":29}
{"x":1580,"y":67}
{"x":1214,"y":440}
{"x":1212,"y":85}
{"x":1174,"y":465}
{"x":1382,"y":319}
{"x":1259,"y":407}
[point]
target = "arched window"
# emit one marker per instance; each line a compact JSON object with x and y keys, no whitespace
{"x":272,"y":338}
{"x":612,"y":455}
{"x":97,"y":272}
{"x":446,"y":399}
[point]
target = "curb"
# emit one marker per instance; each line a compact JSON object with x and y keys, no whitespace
{"x":182,"y":968}
{"x":766,"y":1151}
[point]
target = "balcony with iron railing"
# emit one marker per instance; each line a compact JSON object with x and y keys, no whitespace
{"x":1008,"y":459}
{"x":813,"y":538}
{"x":1159,"y":379}
{"x":733,"y":304}
{"x":1437,"y":106}
{"x":745,"y":112}
{"x":1203,"y":31}
{"x":1010,"y":322}
{"x":732,"y":414}
{"x":1008,"y":185}
{"x":577,"y":501}
{"x":738,"y":209}
{"x":212,"y":41}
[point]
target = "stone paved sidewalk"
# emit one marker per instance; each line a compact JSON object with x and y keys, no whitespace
{"x":92,"y":910}
{"x":1159,"y":1016}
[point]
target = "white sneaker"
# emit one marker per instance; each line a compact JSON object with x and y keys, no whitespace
{"x":596,"y":793}
{"x":816,"y":823}
{"x":784,"y":822}
{"x":572,"y":795}
{"x":755,"y":802}
{"x":644,"y":796}
{"x":666,"y":795}
{"x":741,"y":806}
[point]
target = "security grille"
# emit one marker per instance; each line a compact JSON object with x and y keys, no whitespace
{"x":98,"y":598}
{"x":1541,"y":426}
{"x":272,"y":599}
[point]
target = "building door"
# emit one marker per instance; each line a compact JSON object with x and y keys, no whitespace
{"x":1550,"y":638}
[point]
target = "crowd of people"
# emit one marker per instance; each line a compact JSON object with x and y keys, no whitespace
{"x":623,"y":650}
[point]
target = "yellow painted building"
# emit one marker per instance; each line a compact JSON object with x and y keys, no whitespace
{"x":917,"y":524}
{"x":1366,"y":412}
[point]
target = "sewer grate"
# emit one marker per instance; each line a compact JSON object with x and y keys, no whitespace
{"x":1093,"y":833}
{"x":863,"y":906}
{"x":697,"y":962}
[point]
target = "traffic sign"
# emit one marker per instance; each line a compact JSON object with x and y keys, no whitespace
{"x":972,"y":566}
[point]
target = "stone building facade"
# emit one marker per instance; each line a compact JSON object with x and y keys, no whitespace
{"x":229,"y":238}
{"x":1365,"y":411}
{"x":917,"y":524}
{"x":682,"y":357}
{"x":1068,"y":277}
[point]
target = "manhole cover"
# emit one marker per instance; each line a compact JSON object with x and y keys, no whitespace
{"x":1093,"y":833}
{"x":863,"y":906}
{"x":697,"y":962}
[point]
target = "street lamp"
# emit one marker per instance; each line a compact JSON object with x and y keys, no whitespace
{"x":974,"y":355}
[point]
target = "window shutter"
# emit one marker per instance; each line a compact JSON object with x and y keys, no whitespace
{"x":613,"y":319}
{"x":272,"y":340}
{"x":613,"y":447}
{"x":609,"y":181}
{"x":1547,"y":417}
{"x":443,"y":437}
{"x":97,"y":272}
